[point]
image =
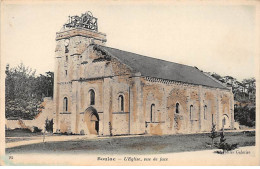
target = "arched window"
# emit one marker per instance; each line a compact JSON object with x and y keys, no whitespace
{"x":191,"y":112}
{"x":92,"y":97}
{"x":152,"y":112}
{"x":121,"y":103}
{"x":177,"y":108}
{"x":205,"y":112}
{"x":65,"y":104}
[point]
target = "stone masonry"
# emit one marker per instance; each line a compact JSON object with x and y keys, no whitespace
{"x":98,"y":93}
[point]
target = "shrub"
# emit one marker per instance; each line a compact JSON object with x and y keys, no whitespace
{"x":245,"y":116}
{"x":213,"y":134}
{"x":223,"y":145}
{"x":36,"y":129}
{"x":49,"y":125}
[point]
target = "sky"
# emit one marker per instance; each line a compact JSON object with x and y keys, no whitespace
{"x":213,"y":37}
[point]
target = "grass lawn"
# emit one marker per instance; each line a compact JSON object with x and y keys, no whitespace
{"x":135,"y":145}
{"x":9,"y":140}
{"x":21,"y":133}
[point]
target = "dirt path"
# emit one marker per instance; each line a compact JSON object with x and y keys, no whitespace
{"x":41,"y":139}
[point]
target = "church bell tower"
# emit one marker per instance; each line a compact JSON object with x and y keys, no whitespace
{"x":71,"y":41}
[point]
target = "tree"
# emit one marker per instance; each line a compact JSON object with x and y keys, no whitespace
{"x":223,"y":145}
{"x":49,"y":125}
{"x":25,"y":91}
{"x":245,"y":115}
{"x":213,"y":134}
{"x":44,"y":85}
{"x":244,"y":94}
{"x":249,"y":84}
{"x":216,"y":76}
{"x":229,"y":80}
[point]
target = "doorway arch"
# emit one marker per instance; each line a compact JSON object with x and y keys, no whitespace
{"x":91,"y":119}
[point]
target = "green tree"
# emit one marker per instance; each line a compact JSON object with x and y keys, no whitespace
{"x":25,"y":91}
{"x":245,"y":115}
{"x":44,"y":85}
{"x":216,"y":76}
{"x":224,"y":145}
{"x":213,"y":134}
{"x":249,"y":85}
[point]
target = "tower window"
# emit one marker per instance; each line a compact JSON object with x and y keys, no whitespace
{"x":121,"y":103}
{"x":67,"y":58}
{"x":92,"y":97}
{"x":66,"y":72}
{"x":152,"y":113}
{"x":65,"y":104}
{"x":177,"y":108}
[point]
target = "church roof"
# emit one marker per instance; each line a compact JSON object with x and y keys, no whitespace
{"x":151,"y":67}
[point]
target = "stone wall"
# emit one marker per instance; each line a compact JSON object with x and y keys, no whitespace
{"x":197,"y":106}
{"x":38,"y":121}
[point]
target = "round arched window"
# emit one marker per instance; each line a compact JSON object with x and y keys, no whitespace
{"x":92,"y":97}
{"x":65,"y":104}
{"x":121,"y":103}
{"x":177,"y":108}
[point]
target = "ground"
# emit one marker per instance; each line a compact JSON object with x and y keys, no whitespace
{"x":26,"y":143}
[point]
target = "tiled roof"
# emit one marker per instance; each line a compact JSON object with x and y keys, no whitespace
{"x":151,"y":67}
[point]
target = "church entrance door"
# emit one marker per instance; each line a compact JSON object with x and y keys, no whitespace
{"x":91,"y":119}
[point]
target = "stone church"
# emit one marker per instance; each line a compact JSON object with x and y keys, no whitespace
{"x":102,"y":91}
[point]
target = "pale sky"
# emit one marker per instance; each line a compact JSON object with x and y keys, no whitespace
{"x":215,"y":38}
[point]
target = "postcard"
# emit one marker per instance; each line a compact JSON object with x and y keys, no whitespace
{"x":126,"y":83}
